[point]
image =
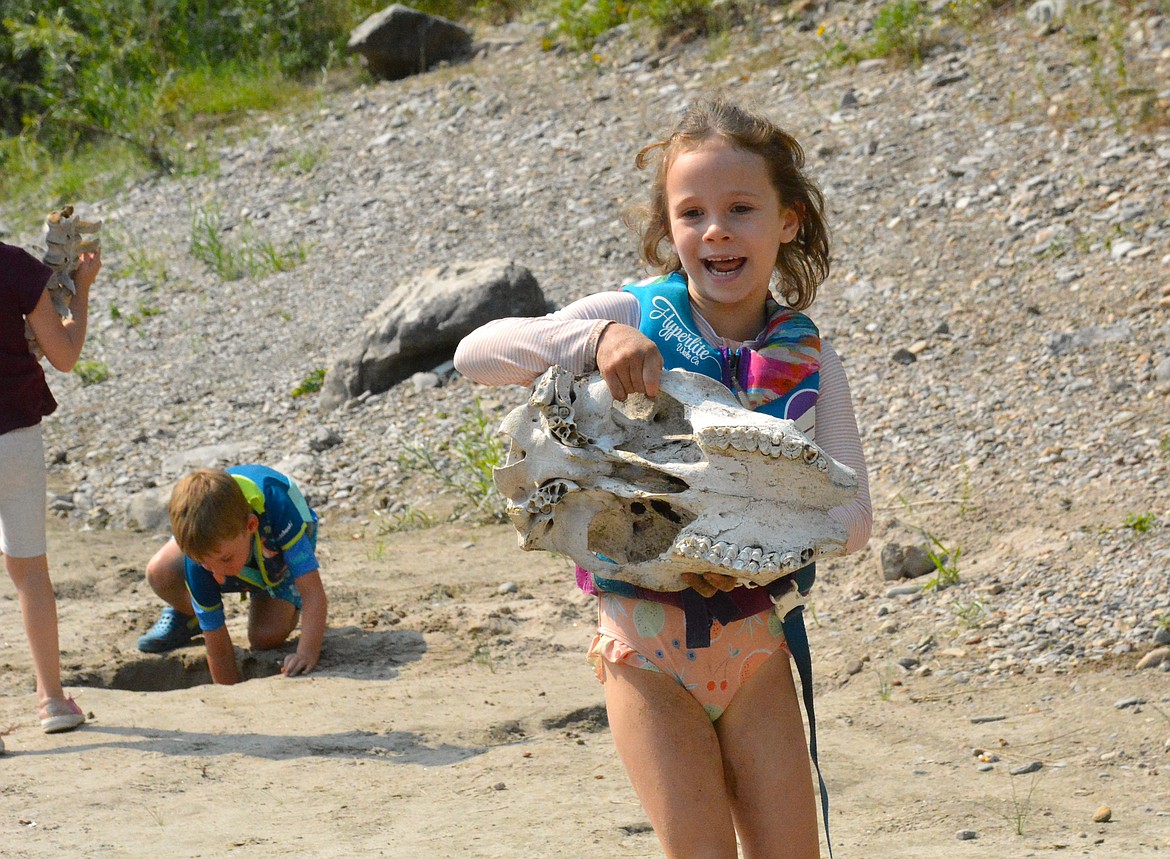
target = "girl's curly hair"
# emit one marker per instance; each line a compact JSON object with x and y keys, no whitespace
{"x":803,"y":263}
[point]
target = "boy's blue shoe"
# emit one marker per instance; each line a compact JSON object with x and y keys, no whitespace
{"x":172,"y":630}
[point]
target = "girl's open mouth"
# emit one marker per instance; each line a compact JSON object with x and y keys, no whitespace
{"x":724,"y":265}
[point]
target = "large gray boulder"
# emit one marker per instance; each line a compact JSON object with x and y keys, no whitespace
{"x":399,"y":41}
{"x":419,"y":325}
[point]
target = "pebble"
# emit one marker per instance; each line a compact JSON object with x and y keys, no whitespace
{"x":1103,"y":814}
{"x":1024,"y":769}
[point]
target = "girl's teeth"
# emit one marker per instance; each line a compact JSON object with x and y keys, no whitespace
{"x":724,"y":266}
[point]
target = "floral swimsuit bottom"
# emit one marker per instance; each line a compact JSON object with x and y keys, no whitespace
{"x":651,"y":635}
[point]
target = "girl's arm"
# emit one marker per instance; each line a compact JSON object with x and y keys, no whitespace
{"x":61,"y":339}
{"x":837,"y":435}
{"x":515,"y":351}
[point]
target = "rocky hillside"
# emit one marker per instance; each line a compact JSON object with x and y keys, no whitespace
{"x":1000,"y":294}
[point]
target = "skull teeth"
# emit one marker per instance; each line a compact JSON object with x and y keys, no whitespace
{"x":752,"y":440}
{"x":542,"y":501}
{"x":551,"y":395}
{"x":741,"y":559}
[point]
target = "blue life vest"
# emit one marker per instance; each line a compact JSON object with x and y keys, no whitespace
{"x":763,"y":382}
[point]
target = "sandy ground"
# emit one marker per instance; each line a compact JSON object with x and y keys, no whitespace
{"x":450,"y":719}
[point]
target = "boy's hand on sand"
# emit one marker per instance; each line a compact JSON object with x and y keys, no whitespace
{"x":628,"y":361}
{"x":708,"y":583}
{"x":295,"y":664}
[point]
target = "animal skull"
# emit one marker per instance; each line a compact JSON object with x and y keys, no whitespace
{"x":688,"y":481}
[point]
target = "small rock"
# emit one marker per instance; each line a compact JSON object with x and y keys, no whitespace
{"x":1024,"y":769}
{"x":1132,"y":701}
{"x":903,"y":590}
{"x":424,"y":381}
{"x":507,"y":588}
{"x":1154,"y":658}
{"x":1103,"y":814}
{"x":323,"y":439}
{"x":966,"y":834}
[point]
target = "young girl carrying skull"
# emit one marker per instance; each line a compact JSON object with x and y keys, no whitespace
{"x":711,"y":736}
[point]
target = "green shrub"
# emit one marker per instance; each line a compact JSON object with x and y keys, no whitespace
{"x":311,"y":384}
{"x":250,"y":255}
{"x":465,"y":464}
{"x":92,"y":72}
{"x":899,"y":31}
{"x":91,"y":372}
{"x":583,"y":21}
{"x":1142,"y":523}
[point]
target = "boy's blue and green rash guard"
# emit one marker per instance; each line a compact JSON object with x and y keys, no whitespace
{"x":283,"y":548}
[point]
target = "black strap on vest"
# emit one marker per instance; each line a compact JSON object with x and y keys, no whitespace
{"x":798,"y":646}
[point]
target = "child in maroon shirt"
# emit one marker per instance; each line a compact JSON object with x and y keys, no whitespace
{"x":24,"y":399}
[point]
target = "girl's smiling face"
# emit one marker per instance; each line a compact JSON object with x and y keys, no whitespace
{"x":727,"y":223}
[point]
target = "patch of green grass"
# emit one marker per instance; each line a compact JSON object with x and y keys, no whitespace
{"x":250,"y":255}
{"x":231,"y":88}
{"x":91,"y":372}
{"x":946,"y":564}
{"x":311,"y":384}
{"x":303,"y":159}
{"x":970,"y":613}
{"x":1142,"y":523}
{"x":134,"y":319}
{"x":1021,"y":807}
{"x":465,"y":464}
{"x":584,"y":21}
{"x":406,"y":518}
{"x":946,"y":561}
{"x":145,"y":264}
{"x":899,"y":31}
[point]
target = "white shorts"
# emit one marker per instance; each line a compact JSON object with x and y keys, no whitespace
{"x":22,"y":492}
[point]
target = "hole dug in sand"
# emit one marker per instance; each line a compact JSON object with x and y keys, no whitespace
{"x":349,"y":650}
{"x":181,"y":669}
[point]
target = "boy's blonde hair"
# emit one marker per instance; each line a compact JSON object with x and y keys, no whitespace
{"x":802,"y":264}
{"x":207,"y":508}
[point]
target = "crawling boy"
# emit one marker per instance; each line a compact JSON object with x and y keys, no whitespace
{"x":244,"y":530}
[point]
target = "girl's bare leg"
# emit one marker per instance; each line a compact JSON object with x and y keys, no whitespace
{"x":768,"y":771}
{"x":38,"y":610}
{"x":671,"y":754}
